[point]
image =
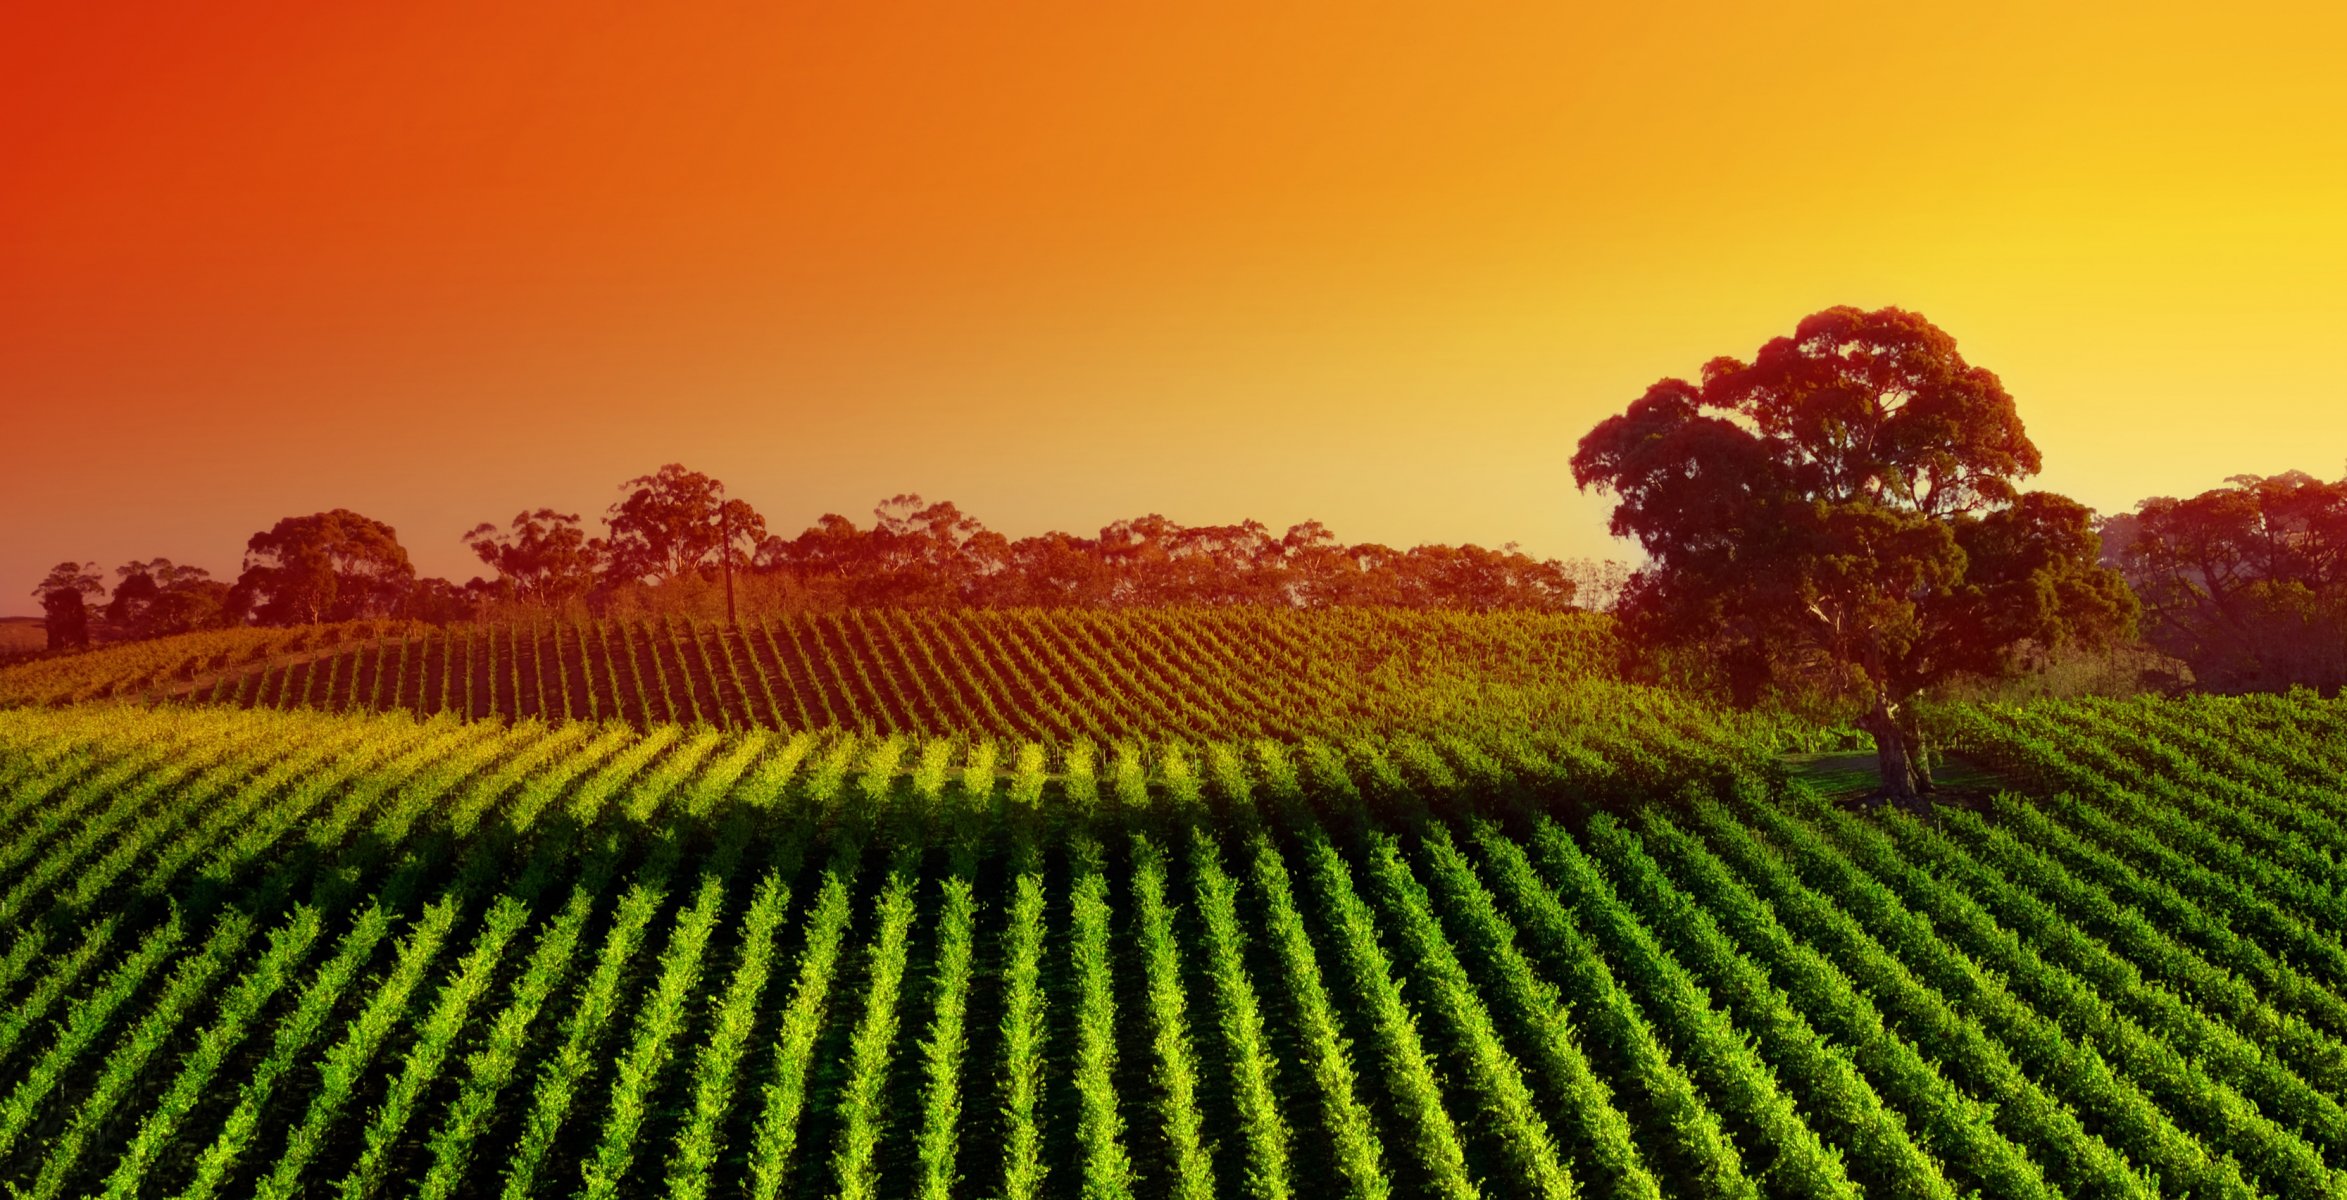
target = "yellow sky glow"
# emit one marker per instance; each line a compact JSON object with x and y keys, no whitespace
{"x":1380,"y":265}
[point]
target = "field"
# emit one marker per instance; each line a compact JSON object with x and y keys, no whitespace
{"x":21,"y":635}
{"x":1040,"y":675}
{"x":1616,"y":951}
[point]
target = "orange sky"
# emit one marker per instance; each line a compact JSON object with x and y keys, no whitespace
{"x":1378,"y":264}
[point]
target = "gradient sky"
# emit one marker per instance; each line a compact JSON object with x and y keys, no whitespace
{"x":1378,"y":264}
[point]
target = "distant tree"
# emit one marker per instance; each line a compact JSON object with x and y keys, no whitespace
{"x":1375,"y":576}
{"x":1597,"y":583}
{"x":438,"y":602}
{"x":1845,"y":505}
{"x":185,"y":605}
{"x":676,"y":522}
{"x":1052,"y":570}
{"x":1319,"y":572}
{"x":65,"y":596}
{"x":919,"y":553}
{"x":133,"y":592}
{"x":929,"y":554}
{"x":329,"y":566}
{"x":1240,"y":563}
{"x":1139,"y":552}
{"x":1479,"y":580}
{"x":2247,"y":583}
{"x":543,"y":558}
{"x":140,"y":586}
{"x":832,"y":551}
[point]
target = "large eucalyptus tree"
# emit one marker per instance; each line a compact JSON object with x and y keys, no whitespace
{"x":1847,"y":505}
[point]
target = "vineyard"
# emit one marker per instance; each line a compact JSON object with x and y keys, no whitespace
{"x":262,"y":952}
{"x":1046,"y":675}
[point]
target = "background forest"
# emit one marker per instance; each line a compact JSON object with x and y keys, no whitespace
{"x":2243,"y":587}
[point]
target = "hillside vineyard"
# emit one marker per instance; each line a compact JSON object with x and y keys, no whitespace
{"x":254,"y":952}
{"x":1053,"y":675}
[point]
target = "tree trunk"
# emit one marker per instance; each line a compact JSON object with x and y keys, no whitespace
{"x":1899,"y":782}
{"x":731,"y":619}
{"x":1747,"y":670}
{"x":725,"y":561}
{"x":1919,"y":751}
{"x":68,"y":620}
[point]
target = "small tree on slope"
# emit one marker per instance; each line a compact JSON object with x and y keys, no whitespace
{"x":1846,"y":503}
{"x":64,"y":609}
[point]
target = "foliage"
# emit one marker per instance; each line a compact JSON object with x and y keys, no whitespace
{"x":160,"y":597}
{"x":329,"y":566}
{"x":922,"y":554}
{"x":1854,"y":513}
{"x":64,"y":602}
{"x":1045,"y":676}
{"x":2247,"y":582}
{"x":543,"y":558}
{"x":680,"y":546}
{"x":293,"y":952}
{"x":675,"y":522}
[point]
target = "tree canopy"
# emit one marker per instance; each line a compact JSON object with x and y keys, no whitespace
{"x":159,"y":596}
{"x":922,"y":554}
{"x":674,"y":522}
{"x":675,"y":532}
{"x":1846,"y":507}
{"x":544,"y":557}
{"x":329,"y":566}
{"x":2247,"y":582}
{"x":65,"y":594}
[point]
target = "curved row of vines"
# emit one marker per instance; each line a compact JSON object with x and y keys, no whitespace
{"x":254,"y":952}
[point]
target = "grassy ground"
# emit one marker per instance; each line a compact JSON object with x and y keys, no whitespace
{"x":1847,"y":777}
{"x":22,"y":635}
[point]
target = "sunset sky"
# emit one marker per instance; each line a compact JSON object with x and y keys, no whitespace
{"x":1377,"y":264}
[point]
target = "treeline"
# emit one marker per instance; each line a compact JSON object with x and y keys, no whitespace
{"x":2246,"y":583}
{"x":677,"y":542}
{"x":2241,"y":588}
